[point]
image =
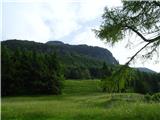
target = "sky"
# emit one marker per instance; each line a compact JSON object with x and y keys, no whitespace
{"x":69,"y":21}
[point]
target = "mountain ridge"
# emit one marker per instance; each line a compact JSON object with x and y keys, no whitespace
{"x":65,"y":51}
{"x":93,"y":51}
{"x":147,"y":70}
{"x":70,"y":55}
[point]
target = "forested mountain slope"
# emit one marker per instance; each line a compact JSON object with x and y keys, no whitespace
{"x":70,"y":55}
{"x":96,"y":53}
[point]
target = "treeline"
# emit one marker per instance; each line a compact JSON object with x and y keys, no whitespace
{"x":81,"y":72}
{"x":29,"y":72}
{"x":146,"y":82}
{"x":131,"y":80}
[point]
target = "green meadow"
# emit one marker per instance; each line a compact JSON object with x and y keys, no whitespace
{"x":81,"y":100}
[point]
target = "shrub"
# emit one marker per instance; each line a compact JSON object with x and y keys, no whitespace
{"x":156,"y":97}
{"x":147,"y":98}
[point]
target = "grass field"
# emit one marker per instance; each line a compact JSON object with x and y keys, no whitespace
{"x":81,"y":100}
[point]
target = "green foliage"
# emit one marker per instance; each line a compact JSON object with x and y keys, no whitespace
{"x":147,"y":98}
{"x":140,"y":17}
{"x":106,"y":82}
{"x":144,"y":14}
{"x":152,"y":98}
{"x":78,"y":61}
{"x":120,"y":82}
{"x":77,"y":73}
{"x":131,"y":80}
{"x":106,"y":71}
{"x":156,"y":97}
{"x":107,"y":85}
{"x":146,"y":82}
{"x":30,"y":72}
{"x":111,"y":28}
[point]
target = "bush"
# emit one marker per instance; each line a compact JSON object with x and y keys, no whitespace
{"x":156,"y":97}
{"x":147,"y":98}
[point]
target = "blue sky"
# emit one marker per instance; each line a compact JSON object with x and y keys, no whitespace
{"x":70,"y":21}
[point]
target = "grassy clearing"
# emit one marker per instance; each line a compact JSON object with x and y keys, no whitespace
{"x":82,"y":100}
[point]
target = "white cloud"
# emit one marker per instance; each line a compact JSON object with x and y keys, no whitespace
{"x":23,"y":21}
{"x":44,"y":20}
{"x":22,"y":1}
{"x":0,"y":21}
{"x":61,"y":19}
{"x":67,"y":16}
{"x":87,"y":37}
{"x":91,"y":9}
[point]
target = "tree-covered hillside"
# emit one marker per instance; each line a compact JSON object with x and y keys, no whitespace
{"x":71,"y":55}
{"x":78,"y":61}
{"x":83,"y":50}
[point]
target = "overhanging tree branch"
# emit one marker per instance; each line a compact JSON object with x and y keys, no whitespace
{"x":143,"y":38}
{"x":156,"y":3}
{"x":138,"y":33}
{"x":127,"y":63}
{"x":123,"y":68}
{"x":155,"y":39}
